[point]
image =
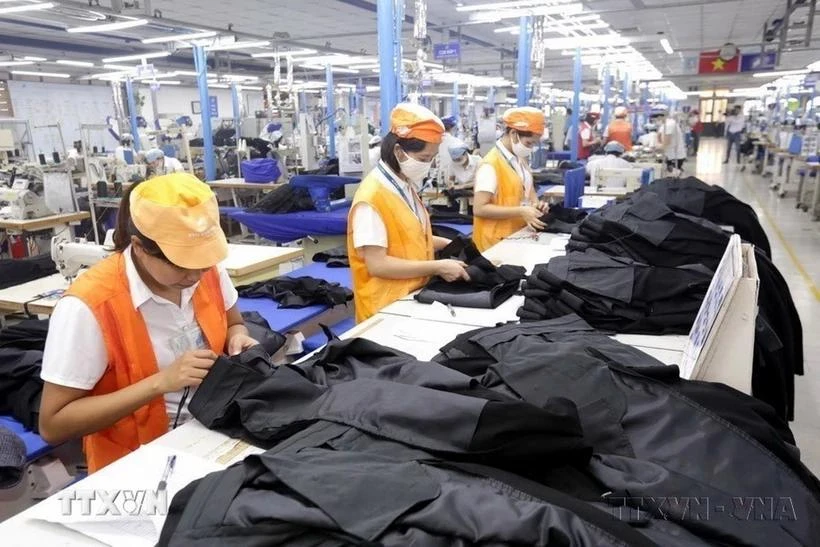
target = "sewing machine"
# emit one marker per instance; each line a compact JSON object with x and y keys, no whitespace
{"x":72,"y":256}
{"x":22,"y":201}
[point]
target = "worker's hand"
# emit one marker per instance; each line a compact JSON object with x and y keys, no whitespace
{"x":452,"y":270}
{"x":532,"y":216}
{"x":188,"y":370}
{"x":543,"y":206}
{"x":239,"y":343}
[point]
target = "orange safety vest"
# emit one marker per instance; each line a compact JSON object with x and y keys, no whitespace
{"x":104,"y":288}
{"x":621,"y":131}
{"x":406,"y":238}
{"x":509,"y":193}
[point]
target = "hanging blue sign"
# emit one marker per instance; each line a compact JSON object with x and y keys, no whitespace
{"x":756,"y":62}
{"x":213,"y":107}
{"x":451,"y":50}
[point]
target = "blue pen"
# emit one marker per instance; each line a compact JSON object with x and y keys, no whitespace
{"x":169,"y":467}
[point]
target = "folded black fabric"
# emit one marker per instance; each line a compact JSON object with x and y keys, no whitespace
{"x":20,"y":385}
{"x":259,"y":329}
{"x":15,"y":271}
{"x":562,"y":220}
{"x":489,"y":286}
{"x":26,"y":334}
{"x":446,"y":232}
{"x":441,"y":214}
{"x":298,"y":292}
{"x":334,"y":258}
{"x":284,"y":199}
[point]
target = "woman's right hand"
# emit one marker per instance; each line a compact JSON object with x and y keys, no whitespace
{"x":189,"y":370}
{"x":452,"y":270}
{"x":532,"y":216}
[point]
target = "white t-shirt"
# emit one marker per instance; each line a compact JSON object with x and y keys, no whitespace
{"x":674,"y":144}
{"x":487,"y":181}
{"x":444,"y":160}
{"x":173,"y":165}
{"x":466,"y":175}
{"x":735,"y":124}
{"x":369,"y":229}
{"x":75,"y":354}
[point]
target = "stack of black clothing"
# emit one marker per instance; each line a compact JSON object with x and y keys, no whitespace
{"x":21,"y":359}
{"x":284,"y":199}
{"x":616,"y":294}
{"x":298,"y":292}
{"x":562,"y":220}
{"x":334,"y":258}
{"x":692,"y":196}
{"x":558,"y":438}
{"x":489,"y":286}
{"x":15,"y":271}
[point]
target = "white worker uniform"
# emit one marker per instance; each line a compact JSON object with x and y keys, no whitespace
{"x":487,"y":181}
{"x":119,"y":152}
{"x":445,"y":162}
{"x":466,"y":175}
{"x":75,"y":353}
{"x":369,"y":229}
{"x":735,"y":124}
{"x":674,"y":143}
{"x":173,"y":165}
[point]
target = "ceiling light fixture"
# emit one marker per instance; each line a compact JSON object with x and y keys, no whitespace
{"x":27,"y":7}
{"x":105,"y":27}
{"x":41,"y":74}
{"x":16,"y":63}
{"x":180,"y":37}
{"x":334,"y":68}
{"x":164,"y":82}
{"x":138,"y":57}
{"x":74,"y":63}
{"x":238,"y":45}
{"x":508,"y":13}
{"x":780,"y":73}
{"x":36,"y":59}
{"x":586,"y":42}
{"x":508,"y":5}
{"x":284,"y":53}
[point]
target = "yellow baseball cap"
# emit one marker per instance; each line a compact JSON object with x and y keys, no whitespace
{"x":180,"y":213}
{"x":413,"y":121}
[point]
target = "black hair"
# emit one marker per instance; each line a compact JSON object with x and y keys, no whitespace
{"x":126,"y":229}
{"x":408,"y":145}
{"x":525,"y":134}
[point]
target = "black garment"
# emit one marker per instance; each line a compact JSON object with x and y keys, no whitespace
{"x":446,"y":232}
{"x":692,"y":196}
{"x":489,"y":286}
{"x":12,"y":459}
{"x":616,"y":294}
{"x":334,"y":258}
{"x":259,"y":329}
{"x":562,"y":220}
{"x":26,"y":334}
{"x":284,"y":199}
{"x":298,"y":292}
{"x":15,"y":271}
{"x":20,"y":385}
{"x":548,"y":177}
{"x":441,"y":214}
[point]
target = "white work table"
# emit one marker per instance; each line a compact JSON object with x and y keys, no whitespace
{"x":245,"y":264}
{"x":417,"y":329}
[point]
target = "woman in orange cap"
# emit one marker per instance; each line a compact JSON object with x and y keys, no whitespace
{"x":137,"y":331}
{"x":389,"y":236}
{"x":619,"y":130}
{"x":505,"y":200}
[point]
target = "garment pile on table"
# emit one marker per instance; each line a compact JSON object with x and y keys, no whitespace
{"x":298,"y":292}
{"x":334,"y":258}
{"x":543,"y":433}
{"x":21,"y":360}
{"x":489,"y":285}
{"x":16,"y":271}
{"x":617,"y":294}
{"x":562,"y":220}
{"x":283,"y":199}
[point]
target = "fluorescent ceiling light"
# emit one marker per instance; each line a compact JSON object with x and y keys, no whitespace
{"x":138,"y":57}
{"x":364,"y":67}
{"x":339,"y":59}
{"x":506,"y":5}
{"x":27,"y":7}
{"x":588,"y":21}
{"x":586,"y":42}
{"x":284,"y":53}
{"x":163,"y":82}
{"x":41,"y":74}
{"x":74,"y":63}
{"x":667,"y":47}
{"x":749,"y":90}
{"x":219,"y":86}
{"x":32,"y":58}
{"x":334,"y":68}
{"x":125,"y":68}
{"x":509,"y":13}
{"x":250,"y":88}
{"x":237,"y":45}
{"x":813,"y":67}
{"x":180,"y":37}
{"x":186,"y":73}
{"x":105,"y":27}
{"x":780,"y":73}
{"x":16,"y":63}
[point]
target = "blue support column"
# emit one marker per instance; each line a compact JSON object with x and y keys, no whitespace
{"x":607,"y":108}
{"x":388,"y":78}
{"x":132,"y":112}
{"x":201,"y":66}
{"x":303,"y":101}
{"x":331,"y":115}
{"x":577,"y":75}
{"x":455,"y":107}
{"x":237,"y":113}
{"x":524,"y":51}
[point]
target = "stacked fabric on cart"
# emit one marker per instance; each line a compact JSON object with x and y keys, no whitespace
{"x":615,"y":293}
{"x":557,"y":435}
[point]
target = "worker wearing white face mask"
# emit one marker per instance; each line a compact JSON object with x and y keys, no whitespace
{"x":389,"y":236}
{"x":505,"y":200}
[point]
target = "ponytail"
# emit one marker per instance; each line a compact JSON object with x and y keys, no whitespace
{"x":126,"y":229}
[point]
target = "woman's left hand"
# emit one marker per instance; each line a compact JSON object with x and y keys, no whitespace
{"x":239,"y":343}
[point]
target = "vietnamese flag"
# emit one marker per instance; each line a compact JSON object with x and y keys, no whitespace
{"x":711,"y":63}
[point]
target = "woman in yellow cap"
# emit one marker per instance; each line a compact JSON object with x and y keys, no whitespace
{"x":137,"y":331}
{"x":389,"y":236}
{"x":505,"y":200}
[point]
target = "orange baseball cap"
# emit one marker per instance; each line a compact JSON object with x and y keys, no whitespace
{"x":413,"y":121}
{"x":180,"y":213}
{"x":525,"y":118}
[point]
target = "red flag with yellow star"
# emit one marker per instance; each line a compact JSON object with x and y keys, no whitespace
{"x":711,"y":63}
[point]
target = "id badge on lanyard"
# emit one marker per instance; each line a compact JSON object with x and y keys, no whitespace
{"x":189,"y":339}
{"x":412,"y":202}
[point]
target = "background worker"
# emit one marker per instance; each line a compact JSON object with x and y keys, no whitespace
{"x":735,"y":126}
{"x":671,"y":139}
{"x":696,"y":127}
{"x":610,"y":160}
{"x":620,"y":130}
{"x":450,"y":139}
{"x":137,"y":331}
{"x":587,"y":139}
{"x":464,"y":167}
{"x":159,"y":164}
{"x":389,"y":237}
{"x":505,"y":200}
{"x":126,"y":145}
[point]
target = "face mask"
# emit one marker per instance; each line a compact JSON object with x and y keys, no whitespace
{"x":520,"y":150}
{"x":415,"y":171}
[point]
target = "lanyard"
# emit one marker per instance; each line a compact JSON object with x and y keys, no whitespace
{"x":410,"y":204}
{"x":521,"y":173}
